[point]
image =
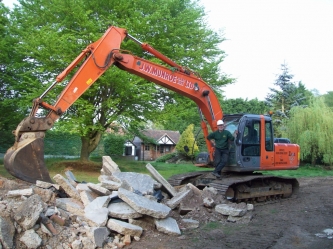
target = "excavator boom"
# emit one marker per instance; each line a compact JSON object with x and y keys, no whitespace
{"x":25,"y":159}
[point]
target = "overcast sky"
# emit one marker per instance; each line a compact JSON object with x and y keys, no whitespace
{"x":263,"y":34}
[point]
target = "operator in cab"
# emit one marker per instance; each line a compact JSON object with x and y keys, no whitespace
{"x":220,"y":139}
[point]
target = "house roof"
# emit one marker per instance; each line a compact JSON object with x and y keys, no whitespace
{"x":159,"y":134}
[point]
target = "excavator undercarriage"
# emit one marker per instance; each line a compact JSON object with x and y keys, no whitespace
{"x":239,"y":187}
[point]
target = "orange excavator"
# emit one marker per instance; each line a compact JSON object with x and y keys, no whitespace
{"x":253,"y":150}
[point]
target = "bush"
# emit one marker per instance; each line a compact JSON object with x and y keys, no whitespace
{"x":163,"y":159}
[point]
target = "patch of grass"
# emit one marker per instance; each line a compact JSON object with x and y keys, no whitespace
{"x":303,"y":171}
{"x":212,"y":226}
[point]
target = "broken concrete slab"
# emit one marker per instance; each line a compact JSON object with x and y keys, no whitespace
{"x":67,"y":187}
{"x":232,"y":209}
{"x":31,"y":239}
{"x":143,"y":205}
{"x":7,"y":231}
{"x":109,"y":166}
{"x":98,"y":235}
{"x":71,"y":178}
{"x":161,"y":179}
{"x":98,"y":189}
{"x":122,"y":210}
{"x":241,"y":219}
{"x":29,"y":211}
{"x":168,"y":225}
{"x":110,"y":185}
{"x":70,"y":205}
{"x":96,"y":212}
{"x":146,"y":222}
{"x":124,"y":227}
{"x":178,"y":197}
{"x":20,"y":192}
{"x":140,"y":182}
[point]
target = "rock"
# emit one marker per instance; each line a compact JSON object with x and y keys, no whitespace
{"x":143,"y":205}
{"x":233,"y":209}
{"x":124,"y":228}
{"x":70,"y":205}
{"x":109,"y":166}
{"x":122,"y":210}
{"x":139,"y":182}
{"x":161,"y":179}
{"x":98,"y":189}
{"x":29,"y":212}
{"x":7,"y":231}
{"x":31,"y":239}
{"x":168,"y":226}
{"x":20,"y":192}
{"x":67,"y":187}
{"x":178,"y":197}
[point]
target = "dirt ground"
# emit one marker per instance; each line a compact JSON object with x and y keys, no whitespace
{"x":298,"y":222}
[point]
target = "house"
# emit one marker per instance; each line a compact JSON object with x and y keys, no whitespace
{"x":155,"y":143}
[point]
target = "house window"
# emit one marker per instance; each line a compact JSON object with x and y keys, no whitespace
{"x":147,"y":147}
{"x":167,"y":148}
{"x":161,"y":149}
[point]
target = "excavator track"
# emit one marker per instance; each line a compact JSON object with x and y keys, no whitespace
{"x":238,"y":187}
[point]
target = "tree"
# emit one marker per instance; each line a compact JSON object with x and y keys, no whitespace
{"x":284,"y":97}
{"x":328,"y":97}
{"x":12,"y":114}
{"x":187,"y":139}
{"x":53,"y":33}
{"x":311,"y":128}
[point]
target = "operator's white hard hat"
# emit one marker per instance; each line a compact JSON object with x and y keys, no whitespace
{"x":220,"y":122}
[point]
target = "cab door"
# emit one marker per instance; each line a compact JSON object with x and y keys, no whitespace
{"x":267,"y":142}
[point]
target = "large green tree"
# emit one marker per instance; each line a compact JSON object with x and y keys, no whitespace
{"x":12,"y":114}
{"x":53,"y":33}
{"x":311,"y":128}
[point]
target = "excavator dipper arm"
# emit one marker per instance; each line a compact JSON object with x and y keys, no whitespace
{"x":25,"y":159}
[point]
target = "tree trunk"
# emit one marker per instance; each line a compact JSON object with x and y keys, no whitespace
{"x":89,"y":144}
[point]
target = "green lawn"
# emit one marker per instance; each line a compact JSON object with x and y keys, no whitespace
{"x":90,"y":172}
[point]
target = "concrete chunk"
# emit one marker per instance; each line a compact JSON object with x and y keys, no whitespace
{"x":98,"y":235}
{"x":143,"y":205}
{"x":96,"y":212}
{"x":232,"y":209}
{"x":70,"y":205}
{"x":122,"y":210}
{"x":67,"y":187}
{"x":124,"y":228}
{"x":20,"y":192}
{"x":29,"y":211}
{"x":7,"y":231}
{"x":31,"y":239}
{"x":98,"y":189}
{"x":168,"y":225}
{"x":161,"y":179}
{"x":109,"y":166}
{"x":140,"y":182}
{"x":174,"y":201}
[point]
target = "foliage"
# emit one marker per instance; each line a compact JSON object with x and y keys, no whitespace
{"x":239,"y":105}
{"x":52,"y":34}
{"x":62,"y":143}
{"x":284,"y":97}
{"x":166,"y":157}
{"x":311,"y":128}
{"x":114,"y":144}
{"x":187,"y":139}
{"x":328,"y":97}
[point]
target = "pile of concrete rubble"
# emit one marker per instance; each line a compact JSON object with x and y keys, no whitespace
{"x":111,"y":214}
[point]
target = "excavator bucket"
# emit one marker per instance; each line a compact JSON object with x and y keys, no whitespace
{"x":25,"y":160}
